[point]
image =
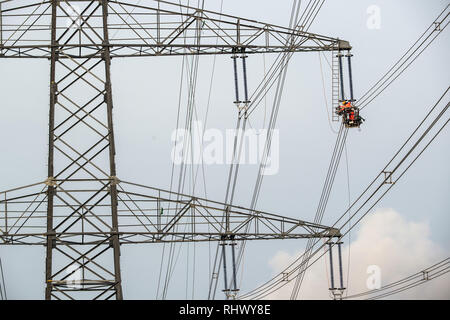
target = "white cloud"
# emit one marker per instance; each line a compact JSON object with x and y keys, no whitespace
{"x":386,"y":239}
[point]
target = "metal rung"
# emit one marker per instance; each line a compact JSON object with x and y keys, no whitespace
{"x":334,"y":86}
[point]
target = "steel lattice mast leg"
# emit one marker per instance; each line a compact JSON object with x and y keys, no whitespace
{"x":82,"y":266}
{"x":51,"y":189}
{"x":112,"y":153}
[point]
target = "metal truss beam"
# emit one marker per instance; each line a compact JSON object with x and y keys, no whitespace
{"x":145,"y":215}
{"x":153,"y":28}
{"x":82,"y":212}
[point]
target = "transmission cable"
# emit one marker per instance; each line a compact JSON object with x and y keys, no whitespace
{"x":266,"y":291}
{"x":218,"y":259}
{"x":271,"y":285}
{"x":406,"y":282}
{"x":192,"y":78}
{"x":3,"y":295}
{"x":326,"y":191}
{"x":277,"y":101}
{"x":437,"y":26}
{"x":435,"y":23}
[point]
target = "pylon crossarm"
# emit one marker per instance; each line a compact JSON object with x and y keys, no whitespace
{"x":152,"y":28}
{"x":145,"y":215}
{"x":82,"y":211}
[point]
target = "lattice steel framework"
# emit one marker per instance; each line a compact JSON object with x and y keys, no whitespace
{"x":82,"y":212}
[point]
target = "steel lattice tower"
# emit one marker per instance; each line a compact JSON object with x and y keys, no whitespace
{"x":82,"y":212}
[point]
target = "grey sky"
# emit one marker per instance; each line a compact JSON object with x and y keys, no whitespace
{"x":145,"y":92}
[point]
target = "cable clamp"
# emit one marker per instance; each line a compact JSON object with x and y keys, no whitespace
{"x":50,"y":182}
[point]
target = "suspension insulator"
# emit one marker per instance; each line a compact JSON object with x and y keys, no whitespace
{"x":244,"y":70}
{"x":341,"y":76}
{"x":341,"y":277}
{"x":350,"y":79}
{"x":330,"y":250}
{"x":236,"y":83}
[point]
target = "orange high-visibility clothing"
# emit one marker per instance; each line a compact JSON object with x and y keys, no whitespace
{"x":352,"y":115}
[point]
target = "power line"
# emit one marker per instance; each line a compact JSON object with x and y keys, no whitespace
{"x":281,"y":77}
{"x":3,"y":295}
{"x":282,"y":60}
{"x":106,"y":50}
{"x":436,"y":270}
{"x":326,"y":191}
{"x":388,"y":177}
{"x":191,"y":79}
{"x":417,"y":283}
{"x":325,"y":95}
{"x":280,"y":72}
{"x":382,"y":178}
{"x":436,"y":23}
{"x":349,"y":215}
{"x":437,"y":26}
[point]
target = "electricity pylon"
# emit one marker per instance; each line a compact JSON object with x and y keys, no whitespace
{"x":82,"y":212}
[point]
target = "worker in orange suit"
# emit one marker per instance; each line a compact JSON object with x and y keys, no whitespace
{"x":345,"y":104}
{"x":352,"y":115}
